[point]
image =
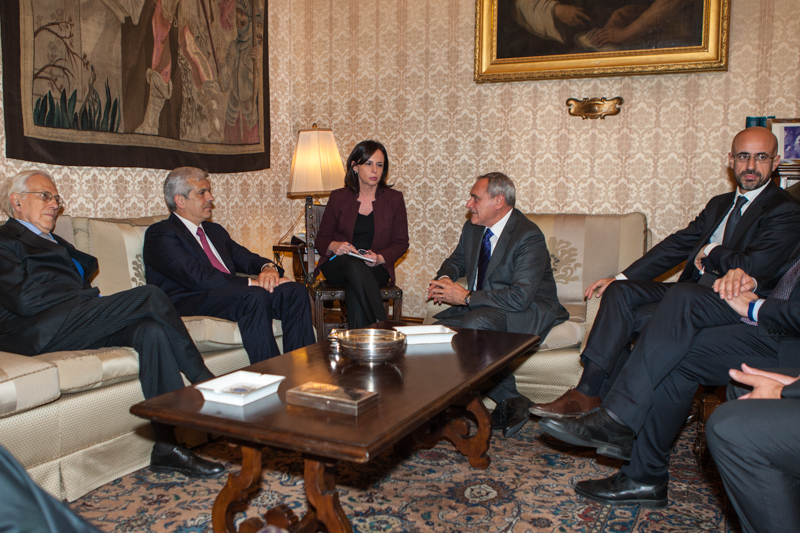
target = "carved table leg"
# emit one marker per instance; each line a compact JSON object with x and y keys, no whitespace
{"x":476,"y":446}
{"x":322,"y":495}
{"x":236,"y":490}
{"x":323,"y":502}
{"x":456,"y":430}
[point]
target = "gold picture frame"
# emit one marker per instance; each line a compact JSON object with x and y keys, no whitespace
{"x":518,"y":40}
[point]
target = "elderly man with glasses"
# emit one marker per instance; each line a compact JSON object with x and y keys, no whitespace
{"x":47,"y":304}
{"x":753,"y":228}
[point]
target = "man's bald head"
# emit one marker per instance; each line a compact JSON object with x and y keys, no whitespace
{"x":757,"y":134}
{"x":753,"y":157}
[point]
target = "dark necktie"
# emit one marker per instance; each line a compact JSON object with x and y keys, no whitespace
{"x":784,"y":288}
{"x":733,"y":219}
{"x":207,"y":249}
{"x":483,"y":258}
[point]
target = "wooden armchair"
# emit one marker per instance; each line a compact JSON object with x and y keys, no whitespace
{"x":321,"y":291}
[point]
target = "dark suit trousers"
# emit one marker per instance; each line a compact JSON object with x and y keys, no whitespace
{"x":25,"y":507}
{"x":144,"y":319}
{"x":756,"y":447}
{"x":254,"y":308}
{"x":693,"y":338}
{"x":501,"y":386}
{"x":362,"y":284}
{"x":625,"y":310}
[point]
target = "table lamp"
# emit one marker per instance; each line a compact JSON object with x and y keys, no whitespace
{"x":316,"y":166}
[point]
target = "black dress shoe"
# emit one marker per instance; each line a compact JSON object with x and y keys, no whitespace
{"x":619,"y":489}
{"x":185,"y":461}
{"x":499,"y":416}
{"x":595,"y":429}
{"x":516,"y":415}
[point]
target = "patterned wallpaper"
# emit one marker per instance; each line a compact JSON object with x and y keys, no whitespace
{"x":400,"y":71}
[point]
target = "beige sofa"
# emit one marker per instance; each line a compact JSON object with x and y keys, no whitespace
{"x":583,"y":249}
{"x":64,"y":415}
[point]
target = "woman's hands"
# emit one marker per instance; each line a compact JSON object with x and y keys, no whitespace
{"x":341,"y":248}
{"x":377,"y":259}
{"x":344,"y":248}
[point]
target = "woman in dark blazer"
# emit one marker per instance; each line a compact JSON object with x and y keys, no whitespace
{"x":366,"y":215}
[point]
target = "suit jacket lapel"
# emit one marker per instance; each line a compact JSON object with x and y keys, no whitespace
{"x":186,"y":235}
{"x":502,"y":243}
{"x":222,"y":250}
{"x":471,"y":254}
{"x":37,"y":241}
{"x":722,"y":209}
{"x":752,"y":213}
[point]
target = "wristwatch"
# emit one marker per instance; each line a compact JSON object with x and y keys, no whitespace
{"x":467,"y":298}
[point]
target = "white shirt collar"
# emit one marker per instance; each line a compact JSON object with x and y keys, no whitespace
{"x":30,"y":226}
{"x":498,"y":228}
{"x":191,"y":226}
{"x":750,"y":195}
{"x":36,"y":230}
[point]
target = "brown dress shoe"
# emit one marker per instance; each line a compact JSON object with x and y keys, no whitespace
{"x":569,"y":405}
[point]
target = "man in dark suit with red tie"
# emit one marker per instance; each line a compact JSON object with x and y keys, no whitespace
{"x":195,"y":263}
{"x":47,"y":304}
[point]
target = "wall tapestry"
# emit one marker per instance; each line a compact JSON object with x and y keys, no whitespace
{"x":137,"y":83}
{"x":540,"y":39}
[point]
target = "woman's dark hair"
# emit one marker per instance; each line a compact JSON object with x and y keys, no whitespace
{"x":360,"y":155}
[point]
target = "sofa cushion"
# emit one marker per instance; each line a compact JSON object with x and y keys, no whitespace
{"x":210,"y":333}
{"x":569,"y":333}
{"x":91,"y":369}
{"x":26,"y":382}
{"x":117,"y":245}
{"x":611,"y":241}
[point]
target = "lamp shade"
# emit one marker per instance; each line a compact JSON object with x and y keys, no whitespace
{"x":316,"y":166}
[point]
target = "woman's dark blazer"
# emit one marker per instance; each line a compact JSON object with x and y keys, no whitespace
{"x":391,"y":225}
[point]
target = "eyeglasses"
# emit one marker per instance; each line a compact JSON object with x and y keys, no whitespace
{"x":46,"y":197}
{"x":744,"y":157}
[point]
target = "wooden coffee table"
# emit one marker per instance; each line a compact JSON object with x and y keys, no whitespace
{"x":417,"y":395}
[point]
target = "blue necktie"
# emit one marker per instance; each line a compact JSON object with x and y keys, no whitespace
{"x":483,"y":258}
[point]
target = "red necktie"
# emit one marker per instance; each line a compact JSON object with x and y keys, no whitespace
{"x":207,"y":249}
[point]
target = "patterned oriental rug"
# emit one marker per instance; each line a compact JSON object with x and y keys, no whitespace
{"x":527,"y":488}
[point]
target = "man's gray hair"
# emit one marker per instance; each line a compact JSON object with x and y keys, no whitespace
{"x":18,"y":184}
{"x":177,"y":183}
{"x":499,"y":183}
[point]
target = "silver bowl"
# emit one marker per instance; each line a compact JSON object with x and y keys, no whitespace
{"x":371,"y":345}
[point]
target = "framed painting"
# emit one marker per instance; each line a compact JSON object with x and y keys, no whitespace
{"x":787,"y":130}
{"x":137,"y":83}
{"x":519,"y":40}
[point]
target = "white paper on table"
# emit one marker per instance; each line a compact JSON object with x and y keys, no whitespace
{"x":426,"y":334}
